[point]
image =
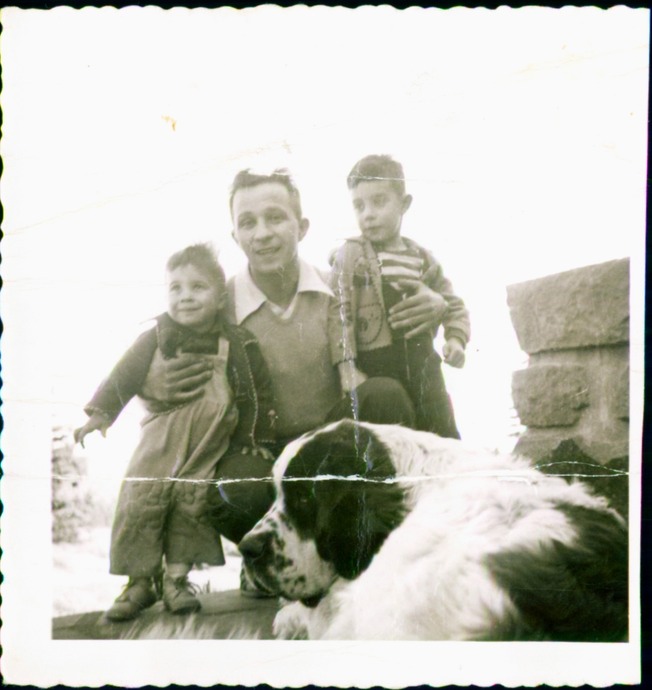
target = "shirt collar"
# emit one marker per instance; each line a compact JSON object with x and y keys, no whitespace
{"x":248,"y":297}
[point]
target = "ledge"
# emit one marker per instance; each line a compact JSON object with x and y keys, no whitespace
{"x":224,"y":615}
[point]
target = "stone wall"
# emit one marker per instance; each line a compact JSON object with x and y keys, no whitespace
{"x":575,"y":328}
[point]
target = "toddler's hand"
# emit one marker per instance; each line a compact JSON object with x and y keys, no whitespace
{"x":350,"y":376}
{"x":97,"y":422}
{"x":454,"y":353}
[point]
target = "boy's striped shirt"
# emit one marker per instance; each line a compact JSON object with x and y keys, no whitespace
{"x":396,"y":265}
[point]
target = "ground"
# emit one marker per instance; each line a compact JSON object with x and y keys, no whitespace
{"x":82,"y":581}
{"x":83,"y":589}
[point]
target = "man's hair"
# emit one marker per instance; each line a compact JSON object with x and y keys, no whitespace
{"x":203,"y":258}
{"x":377,"y":167}
{"x":245,"y":179}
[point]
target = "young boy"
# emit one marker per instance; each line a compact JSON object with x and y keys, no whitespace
{"x":374,"y":272}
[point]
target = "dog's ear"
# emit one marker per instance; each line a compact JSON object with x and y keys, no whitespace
{"x":358,"y":500}
{"x":354,"y":521}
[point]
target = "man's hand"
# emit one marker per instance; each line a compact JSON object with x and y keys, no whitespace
{"x":454,"y":353}
{"x":97,"y":422}
{"x":177,"y":380}
{"x":422,"y":311}
{"x":350,"y":376}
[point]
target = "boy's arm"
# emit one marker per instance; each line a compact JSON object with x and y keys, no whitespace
{"x":341,"y":318}
{"x":454,"y":352}
{"x":350,"y":376}
{"x":341,"y":315}
{"x":456,"y":320}
{"x":125,"y":380}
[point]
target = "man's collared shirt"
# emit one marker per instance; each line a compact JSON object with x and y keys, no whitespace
{"x":249,"y":297}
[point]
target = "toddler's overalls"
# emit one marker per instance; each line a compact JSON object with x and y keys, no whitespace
{"x":162,"y":506}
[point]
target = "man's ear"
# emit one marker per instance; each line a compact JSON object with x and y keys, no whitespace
{"x":304,"y":224}
{"x":407,"y":202}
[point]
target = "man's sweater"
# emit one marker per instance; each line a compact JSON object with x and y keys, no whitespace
{"x":298,"y":355}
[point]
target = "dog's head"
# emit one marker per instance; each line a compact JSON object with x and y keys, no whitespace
{"x":336,"y":502}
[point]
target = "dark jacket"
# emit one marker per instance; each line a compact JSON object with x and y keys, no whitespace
{"x":246,"y":371}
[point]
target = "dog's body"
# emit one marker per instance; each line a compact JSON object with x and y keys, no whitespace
{"x":386,"y":533}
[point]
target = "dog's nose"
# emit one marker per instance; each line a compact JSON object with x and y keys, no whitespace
{"x":254,"y":545}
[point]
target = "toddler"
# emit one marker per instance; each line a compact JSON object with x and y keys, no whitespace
{"x":163,"y":510}
{"x":374,"y":272}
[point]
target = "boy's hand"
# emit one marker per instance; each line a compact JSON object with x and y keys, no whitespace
{"x":423,"y":310}
{"x":350,"y":376}
{"x":454,"y":353}
{"x":97,"y":422}
{"x":178,"y":380}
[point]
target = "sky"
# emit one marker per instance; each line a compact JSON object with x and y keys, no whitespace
{"x":522,"y":134}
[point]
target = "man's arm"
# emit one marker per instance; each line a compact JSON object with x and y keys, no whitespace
{"x":178,"y":380}
{"x":432,"y":304}
{"x":423,"y":311}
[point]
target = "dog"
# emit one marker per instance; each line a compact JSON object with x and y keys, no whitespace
{"x":385,"y":533}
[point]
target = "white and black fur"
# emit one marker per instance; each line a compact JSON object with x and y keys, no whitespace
{"x":381,"y":532}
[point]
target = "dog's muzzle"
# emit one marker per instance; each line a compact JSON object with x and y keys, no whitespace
{"x":257,"y":553}
{"x":255,"y":545}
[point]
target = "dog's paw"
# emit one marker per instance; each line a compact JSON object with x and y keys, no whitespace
{"x":291,"y":622}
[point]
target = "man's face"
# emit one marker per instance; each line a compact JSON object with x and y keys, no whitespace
{"x":379,"y":209}
{"x":266,"y":227}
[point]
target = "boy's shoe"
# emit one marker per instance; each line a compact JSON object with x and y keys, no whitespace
{"x":179,"y":595}
{"x":249,"y":589}
{"x":137,"y":595}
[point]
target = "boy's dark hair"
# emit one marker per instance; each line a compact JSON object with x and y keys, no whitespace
{"x":203,"y":258}
{"x":245,"y":179}
{"x":377,"y":167}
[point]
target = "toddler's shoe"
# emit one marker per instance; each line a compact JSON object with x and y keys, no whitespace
{"x":137,"y":595}
{"x":179,"y":595}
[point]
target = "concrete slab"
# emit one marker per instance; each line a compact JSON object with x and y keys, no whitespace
{"x":224,"y":615}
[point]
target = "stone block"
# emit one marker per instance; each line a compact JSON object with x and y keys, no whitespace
{"x":581,"y":308}
{"x":538,"y":444}
{"x":550,"y":394}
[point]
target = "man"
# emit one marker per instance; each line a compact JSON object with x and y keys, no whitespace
{"x":290,"y":309}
